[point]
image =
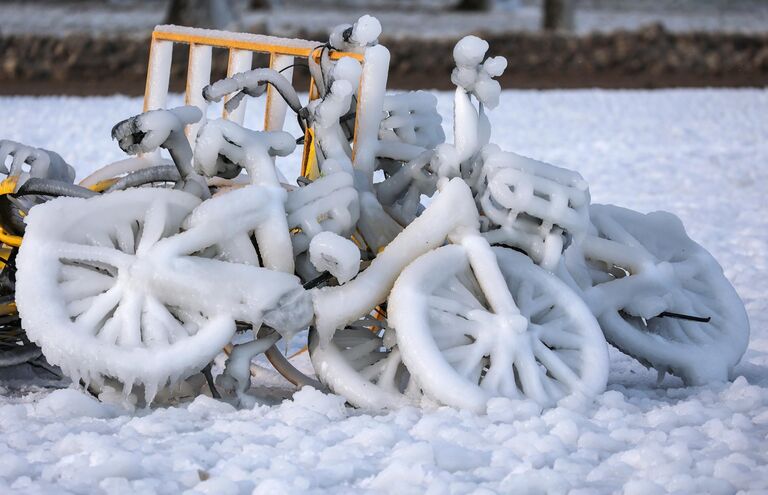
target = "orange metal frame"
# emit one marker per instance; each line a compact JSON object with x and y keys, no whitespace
{"x":273,"y":46}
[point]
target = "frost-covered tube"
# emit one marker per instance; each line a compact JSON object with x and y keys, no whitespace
{"x":336,"y":307}
{"x":162,"y":173}
{"x":154,"y":129}
{"x":52,"y":187}
{"x":289,"y":371}
{"x":249,"y":83}
{"x":22,"y":355}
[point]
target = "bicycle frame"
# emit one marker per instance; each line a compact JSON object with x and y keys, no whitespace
{"x":644,"y":277}
{"x":451,"y":216}
{"x":241,"y":46}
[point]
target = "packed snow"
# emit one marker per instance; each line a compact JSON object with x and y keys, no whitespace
{"x":697,"y":153}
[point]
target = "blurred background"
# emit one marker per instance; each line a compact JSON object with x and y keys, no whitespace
{"x":101,"y":46}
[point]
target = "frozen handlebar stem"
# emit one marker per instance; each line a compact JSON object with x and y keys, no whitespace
{"x":154,"y":129}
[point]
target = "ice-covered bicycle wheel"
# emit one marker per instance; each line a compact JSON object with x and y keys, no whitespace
{"x":463,"y":354}
{"x":81,"y":296}
{"x":693,"y":286}
{"x":362,"y":364}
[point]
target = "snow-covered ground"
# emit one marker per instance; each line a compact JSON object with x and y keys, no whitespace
{"x":702,"y":154}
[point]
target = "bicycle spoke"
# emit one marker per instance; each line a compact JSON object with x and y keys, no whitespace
{"x":174,"y":329}
{"x":537,"y":306}
{"x":110,"y":331}
{"x":524,"y":297}
{"x":458,"y":290}
{"x":90,"y":285}
{"x":467,"y":366}
{"x":129,"y":313}
{"x":453,"y":325}
{"x":89,"y":254}
{"x":372,"y":371}
{"x":125,"y":238}
{"x":498,"y":369}
{"x":555,"y":366}
{"x":361,"y":350}
{"x":386,"y":379}
{"x":98,"y":308}
{"x":154,"y":225}
{"x":557,"y":337}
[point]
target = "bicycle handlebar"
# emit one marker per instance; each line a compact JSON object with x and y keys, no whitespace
{"x":252,"y":83}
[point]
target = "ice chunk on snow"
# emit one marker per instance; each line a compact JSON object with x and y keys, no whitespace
{"x":69,"y":402}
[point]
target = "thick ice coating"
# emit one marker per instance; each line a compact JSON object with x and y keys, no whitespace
{"x":355,"y":38}
{"x":336,"y":255}
{"x":475,"y":76}
{"x":121,"y":296}
{"x":531,"y":205}
{"x":33,"y":162}
{"x":659,"y":296}
{"x":329,"y":204}
{"x":252,"y":83}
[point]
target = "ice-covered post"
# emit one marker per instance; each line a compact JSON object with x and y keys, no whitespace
{"x":198,"y":77}
{"x":239,"y":61}
{"x":274,"y":116}
{"x":158,"y":74}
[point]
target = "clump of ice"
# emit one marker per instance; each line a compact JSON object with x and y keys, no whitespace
{"x":335,"y":254}
{"x":410,"y":118}
{"x":347,"y":69}
{"x":328,"y":204}
{"x":356,"y":37}
{"x":69,"y":402}
{"x":334,"y":105}
{"x":474,"y":75}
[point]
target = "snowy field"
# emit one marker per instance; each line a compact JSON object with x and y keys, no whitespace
{"x":702,"y":154}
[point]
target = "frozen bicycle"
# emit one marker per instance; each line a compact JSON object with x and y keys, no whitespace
{"x":168,"y":280}
{"x":147,"y":275}
{"x":468,"y":321}
{"x":658,"y":295}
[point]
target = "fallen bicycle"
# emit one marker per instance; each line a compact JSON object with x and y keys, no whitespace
{"x":507,"y":284}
